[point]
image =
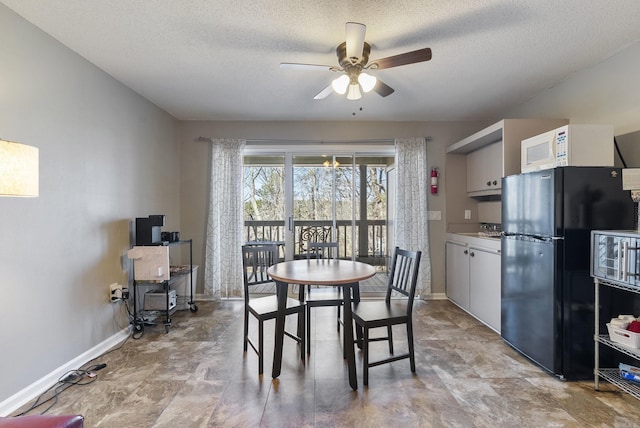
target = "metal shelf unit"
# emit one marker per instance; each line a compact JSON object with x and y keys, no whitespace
{"x":612,"y":375}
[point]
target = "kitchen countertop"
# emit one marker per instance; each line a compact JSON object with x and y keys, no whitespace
{"x":475,"y":239}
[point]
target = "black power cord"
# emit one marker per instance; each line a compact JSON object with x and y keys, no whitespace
{"x":78,"y":377}
{"x":136,"y":322}
{"x":615,"y":143}
{"x":71,"y":378}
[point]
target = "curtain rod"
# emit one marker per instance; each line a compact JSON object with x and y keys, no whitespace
{"x":291,"y":142}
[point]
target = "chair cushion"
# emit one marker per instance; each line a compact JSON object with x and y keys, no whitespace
{"x":378,"y":313}
{"x":267,"y":307}
{"x":43,"y":421}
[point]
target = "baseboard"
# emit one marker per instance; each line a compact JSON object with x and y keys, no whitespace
{"x":204,"y":298}
{"x":31,"y":392}
{"x":435,"y":296}
{"x":432,"y":296}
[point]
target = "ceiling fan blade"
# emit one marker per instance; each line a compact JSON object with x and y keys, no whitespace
{"x":297,"y":66}
{"x":403,"y":59}
{"x":324,"y":93}
{"x":383,"y":89}
{"x":354,"y":38}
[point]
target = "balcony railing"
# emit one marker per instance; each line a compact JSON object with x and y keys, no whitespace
{"x":371,"y":247}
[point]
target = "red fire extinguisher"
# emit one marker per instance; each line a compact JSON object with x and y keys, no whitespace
{"x":434,"y":181}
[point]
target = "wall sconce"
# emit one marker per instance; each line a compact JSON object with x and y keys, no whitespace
{"x":18,"y":169}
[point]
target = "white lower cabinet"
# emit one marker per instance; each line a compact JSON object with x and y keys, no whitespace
{"x":457,"y":274}
{"x":484,"y":286}
{"x":473,"y":279}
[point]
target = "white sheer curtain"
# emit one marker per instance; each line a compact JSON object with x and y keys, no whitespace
{"x":223,"y":259}
{"x":411,"y":225}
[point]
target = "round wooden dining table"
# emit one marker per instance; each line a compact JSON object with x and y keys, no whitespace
{"x":345,"y":273}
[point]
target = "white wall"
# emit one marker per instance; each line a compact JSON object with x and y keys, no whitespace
{"x":607,"y":93}
{"x":106,"y":157}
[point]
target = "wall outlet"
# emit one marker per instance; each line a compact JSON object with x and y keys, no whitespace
{"x":115,"y":292}
{"x":467,"y":214}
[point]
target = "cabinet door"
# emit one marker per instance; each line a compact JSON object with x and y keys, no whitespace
{"x":484,"y":168}
{"x":484,"y":287}
{"x":476,"y":171}
{"x":457,"y":274}
{"x":494,"y":161}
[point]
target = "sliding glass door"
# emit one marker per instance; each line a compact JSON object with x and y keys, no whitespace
{"x":264,"y":199}
{"x":296,"y":198}
{"x":323,"y":202}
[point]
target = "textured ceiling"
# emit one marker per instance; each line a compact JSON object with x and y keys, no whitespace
{"x":219,"y":60}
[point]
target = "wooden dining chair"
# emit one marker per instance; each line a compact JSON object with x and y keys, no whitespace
{"x":374,"y":314}
{"x":256,"y":259}
{"x":322,"y":295}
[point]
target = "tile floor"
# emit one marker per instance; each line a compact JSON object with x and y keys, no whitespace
{"x":197,"y":376}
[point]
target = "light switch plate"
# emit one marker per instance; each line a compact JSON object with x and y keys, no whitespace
{"x":434,"y":215}
{"x":467,"y":214}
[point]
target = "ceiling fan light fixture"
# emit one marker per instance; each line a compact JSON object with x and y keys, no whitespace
{"x":340,"y":84}
{"x":353,"y":60}
{"x":367,"y":81}
{"x":354,"y":92}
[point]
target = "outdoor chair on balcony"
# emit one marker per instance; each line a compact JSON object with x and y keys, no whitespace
{"x":310,"y":235}
{"x":374,"y":314}
{"x":256,"y":259}
{"x":322,"y":296}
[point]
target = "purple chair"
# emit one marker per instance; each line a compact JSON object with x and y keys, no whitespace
{"x":43,"y":421}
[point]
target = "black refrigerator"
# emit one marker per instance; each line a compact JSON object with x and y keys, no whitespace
{"x":547,"y":292}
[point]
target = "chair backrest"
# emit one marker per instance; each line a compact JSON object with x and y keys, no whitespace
{"x":323,"y":250}
{"x":256,"y":259}
{"x":312,"y":234}
{"x":404,"y":275}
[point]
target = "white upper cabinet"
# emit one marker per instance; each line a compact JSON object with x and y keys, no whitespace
{"x":494,"y":152}
{"x":484,"y":169}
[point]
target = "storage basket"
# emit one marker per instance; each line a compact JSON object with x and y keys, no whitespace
{"x":156,"y":300}
{"x":624,"y":337}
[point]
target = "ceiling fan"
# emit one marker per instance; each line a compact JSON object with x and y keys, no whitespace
{"x":353,"y":60}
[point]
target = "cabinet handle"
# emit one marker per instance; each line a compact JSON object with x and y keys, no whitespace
{"x":488,"y":183}
{"x":472,"y":254}
{"x":466,"y":252}
{"x":495,"y":182}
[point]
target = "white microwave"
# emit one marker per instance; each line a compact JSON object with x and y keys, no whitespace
{"x":569,"y":145}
